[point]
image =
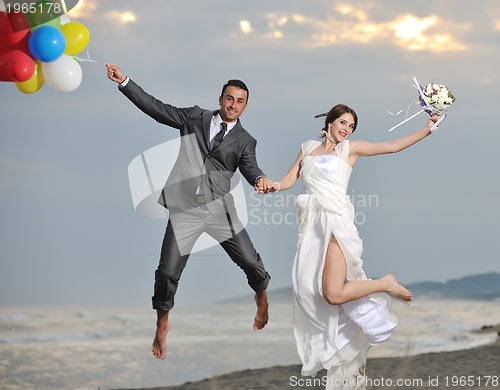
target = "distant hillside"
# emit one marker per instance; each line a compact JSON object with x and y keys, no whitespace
{"x":478,"y":287}
{"x":482,"y":287}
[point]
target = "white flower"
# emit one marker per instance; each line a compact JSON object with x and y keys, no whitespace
{"x":437,"y":96}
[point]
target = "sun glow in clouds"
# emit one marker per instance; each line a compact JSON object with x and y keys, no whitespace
{"x":122,"y":17}
{"x":282,"y":21}
{"x":87,"y":8}
{"x":84,"y":9}
{"x":346,"y":24}
{"x":245,"y":27}
{"x":276,"y":34}
{"x":128,"y":17}
{"x":411,"y":31}
{"x":411,"y":27}
{"x":347,"y":10}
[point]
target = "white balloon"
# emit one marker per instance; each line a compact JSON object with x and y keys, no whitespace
{"x":63,"y":74}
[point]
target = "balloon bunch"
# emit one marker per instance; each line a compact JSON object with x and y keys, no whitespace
{"x":33,"y":53}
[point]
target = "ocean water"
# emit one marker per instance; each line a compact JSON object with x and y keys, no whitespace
{"x":109,"y":348}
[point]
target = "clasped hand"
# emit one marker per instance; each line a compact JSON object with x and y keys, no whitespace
{"x":264,"y":185}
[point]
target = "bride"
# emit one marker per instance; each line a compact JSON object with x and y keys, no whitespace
{"x":338,"y":312}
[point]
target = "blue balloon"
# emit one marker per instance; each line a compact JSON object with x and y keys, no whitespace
{"x":47,"y":43}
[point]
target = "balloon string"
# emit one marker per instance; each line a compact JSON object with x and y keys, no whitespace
{"x":407,"y":119}
{"x":80,"y":59}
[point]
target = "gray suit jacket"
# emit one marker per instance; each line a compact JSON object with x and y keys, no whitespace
{"x":196,"y":166}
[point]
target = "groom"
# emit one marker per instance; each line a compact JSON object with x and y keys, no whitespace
{"x":213,"y":146}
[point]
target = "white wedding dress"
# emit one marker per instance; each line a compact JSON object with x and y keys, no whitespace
{"x":334,"y":337}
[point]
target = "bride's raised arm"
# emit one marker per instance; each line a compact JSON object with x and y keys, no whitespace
{"x":364,"y":148}
{"x":291,"y":176}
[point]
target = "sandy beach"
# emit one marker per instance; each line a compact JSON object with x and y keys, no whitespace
{"x":214,"y":347}
{"x":476,"y":368}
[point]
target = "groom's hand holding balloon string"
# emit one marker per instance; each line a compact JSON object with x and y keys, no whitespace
{"x":115,"y":73}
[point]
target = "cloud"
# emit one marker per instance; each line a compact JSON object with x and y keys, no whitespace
{"x":346,"y":24}
{"x":84,"y":9}
{"x":347,"y":10}
{"x":87,"y":9}
{"x":122,"y":17}
{"x":411,"y":32}
{"x":245,"y":27}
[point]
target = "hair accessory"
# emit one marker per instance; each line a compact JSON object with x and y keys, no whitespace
{"x":321,"y":115}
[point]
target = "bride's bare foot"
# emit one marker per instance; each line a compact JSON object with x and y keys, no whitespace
{"x":159,"y":347}
{"x":262,"y":316}
{"x":397,"y":290}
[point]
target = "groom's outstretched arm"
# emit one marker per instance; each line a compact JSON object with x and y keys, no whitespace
{"x":156,"y":109}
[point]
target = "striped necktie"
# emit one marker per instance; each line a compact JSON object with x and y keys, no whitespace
{"x":220,"y":135}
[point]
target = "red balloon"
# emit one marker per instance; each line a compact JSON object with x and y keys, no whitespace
{"x":16,"y":66}
{"x":4,"y":32}
{"x":3,"y":48}
{"x":14,"y":31}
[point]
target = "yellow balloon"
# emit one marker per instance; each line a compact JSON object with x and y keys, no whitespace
{"x":34,"y":83}
{"x":77,"y":37}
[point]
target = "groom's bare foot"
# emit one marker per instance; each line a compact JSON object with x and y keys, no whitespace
{"x":397,"y":290}
{"x":159,"y":347}
{"x":262,"y":316}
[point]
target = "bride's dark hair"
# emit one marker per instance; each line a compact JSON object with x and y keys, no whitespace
{"x":336,"y":112}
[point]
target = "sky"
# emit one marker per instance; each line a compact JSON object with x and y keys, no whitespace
{"x":69,"y":233}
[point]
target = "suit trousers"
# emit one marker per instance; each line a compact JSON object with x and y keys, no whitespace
{"x":183,"y":229}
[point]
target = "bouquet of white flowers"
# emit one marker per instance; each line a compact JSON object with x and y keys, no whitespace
{"x":433,"y":99}
{"x":437,"y":97}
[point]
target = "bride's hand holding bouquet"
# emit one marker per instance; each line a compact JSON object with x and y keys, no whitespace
{"x":434,"y":99}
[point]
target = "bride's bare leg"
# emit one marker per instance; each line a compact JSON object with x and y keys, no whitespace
{"x":337,"y":291}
